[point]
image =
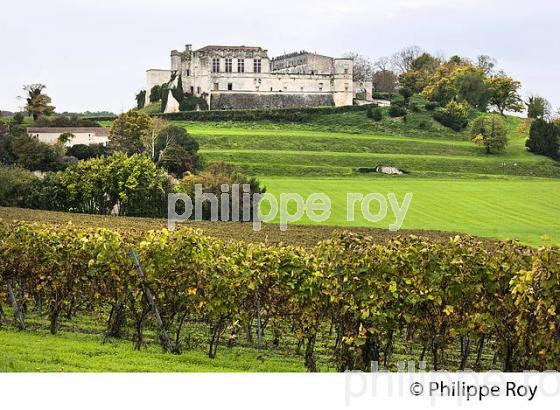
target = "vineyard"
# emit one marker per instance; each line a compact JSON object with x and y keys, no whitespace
{"x":348,"y":301}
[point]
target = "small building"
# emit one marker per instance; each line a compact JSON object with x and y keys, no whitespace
{"x":82,"y":135}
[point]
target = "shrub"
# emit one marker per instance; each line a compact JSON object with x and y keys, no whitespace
{"x":397,"y":111}
{"x":406,"y":94}
{"x":375,"y":113}
{"x":15,"y":184}
{"x":83,"y":151}
{"x":382,"y":96}
{"x":279,"y":115}
{"x":454,"y":115}
{"x":211,"y":179}
{"x":423,"y":125}
{"x":414,"y":107}
{"x":431,"y":105}
{"x":18,"y":118}
{"x":155,"y":93}
{"x":191,"y":102}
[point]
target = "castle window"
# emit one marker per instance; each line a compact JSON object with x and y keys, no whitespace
{"x":188,"y":72}
{"x":230,"y":86}
{"x":241,"y":65}
{"x":215,"y":65}
{"x":228,"y":65}
{"x":198,"y":90}
{"x":320,"y":86}
{"x":346,"y":87}
{"x":346,"y":71}
{"x":192,"y":89}
{"x":257,"y":65}
{"x":216,"y":87}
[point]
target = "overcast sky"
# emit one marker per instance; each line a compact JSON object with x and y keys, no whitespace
{"x":92,"y":55}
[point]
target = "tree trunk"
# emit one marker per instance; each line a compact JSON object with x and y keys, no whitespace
{"x":309,"y":352}
{"x":18,"y":315}
{"x":479,"y":349}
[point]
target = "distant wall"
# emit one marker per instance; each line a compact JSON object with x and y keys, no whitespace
{"x":248,"y":101}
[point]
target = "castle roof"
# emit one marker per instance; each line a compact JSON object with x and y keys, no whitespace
{"x":240,"y":48}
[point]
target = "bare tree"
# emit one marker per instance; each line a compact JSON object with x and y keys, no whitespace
{"x":363,"y":67}
{"x":402,"y":60}
{"x":384,"y":78}
{"x":486,"y":63}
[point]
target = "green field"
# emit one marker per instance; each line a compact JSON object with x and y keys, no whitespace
{"x":456,"y":186}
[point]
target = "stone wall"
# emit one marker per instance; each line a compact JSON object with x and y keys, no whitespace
{"x":248,"y":101}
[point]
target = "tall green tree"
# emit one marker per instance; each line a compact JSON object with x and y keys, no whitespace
{"x":538,"y":107}
{"x":544,"y":138}
{"x":129,"y":131}
{"x":504,"y":93}
{"x":38,"y":103}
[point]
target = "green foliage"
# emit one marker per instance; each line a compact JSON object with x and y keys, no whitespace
{"x":503,"y":94}
{"x":164,"y":96}
{"x":65,"y":138}
{"x":18,"y":118}
{"x":38,"y":104}
{"x":490,"y":131}
{"x":83,"y":151}
{"x":538,"y":107}
{"x":65,"y":121}
{"x":454,"y":115}
{"x":155,"y":93}
{"x":15,"y":184}
{"x":375,"y":113}
{"x":129,"y":130}
{"x":397,"y":111}
{"x":544,"y":138}
{"x":176,"y":151}
{"x":141,"y":99}
{"x":213,"y":177}
{"x":132,"y":184}
{"x":406,"y":93}
{"x":442,"y":295}
{"x":298,"y":115}
{"x":192,"y":103}
{"x":431,"y":105}
{"x":35,"y":155}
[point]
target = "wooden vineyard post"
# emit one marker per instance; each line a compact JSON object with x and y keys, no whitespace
{"x":167,"y":344}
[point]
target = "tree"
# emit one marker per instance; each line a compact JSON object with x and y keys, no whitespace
{"x":490,"y":132}
{"x":155,"y":93}
{"x":176,"y":150}
{"x":38,"y":104}
{"x":129,"y":131}
{"x":35,"y":155}
{"x":65,"y":138}
{"x":544,"y":138}
{"x":402,"y":60}
{"x":538,"y":107}
{"x":362,"y":69}
{"x":486,"y":64}
{"x":375,"y":113}
{"x":503,"y":93}
{"x":149,"y":140}
{"x":141,"y":99}
{"x":406,"y":93}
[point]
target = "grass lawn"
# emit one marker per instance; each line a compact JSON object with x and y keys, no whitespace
{"x":39,"y":351}
{"x":521,"y":209}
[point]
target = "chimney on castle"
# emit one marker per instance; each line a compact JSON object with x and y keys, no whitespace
{"x":188,"y":48}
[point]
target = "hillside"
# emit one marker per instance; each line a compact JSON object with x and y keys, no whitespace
{"x":337,"y":144}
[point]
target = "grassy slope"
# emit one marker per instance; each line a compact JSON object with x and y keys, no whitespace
{"x":457,"y":187}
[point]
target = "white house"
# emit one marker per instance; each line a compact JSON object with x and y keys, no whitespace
{"x":82,"y":135}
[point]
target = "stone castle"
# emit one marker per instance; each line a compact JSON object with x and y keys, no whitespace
{"x":242,"y":77}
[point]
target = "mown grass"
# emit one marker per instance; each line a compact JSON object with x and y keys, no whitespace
{"x":508,"y":208}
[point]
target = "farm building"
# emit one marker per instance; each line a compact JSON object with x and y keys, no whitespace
{"x":81,"y":135}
